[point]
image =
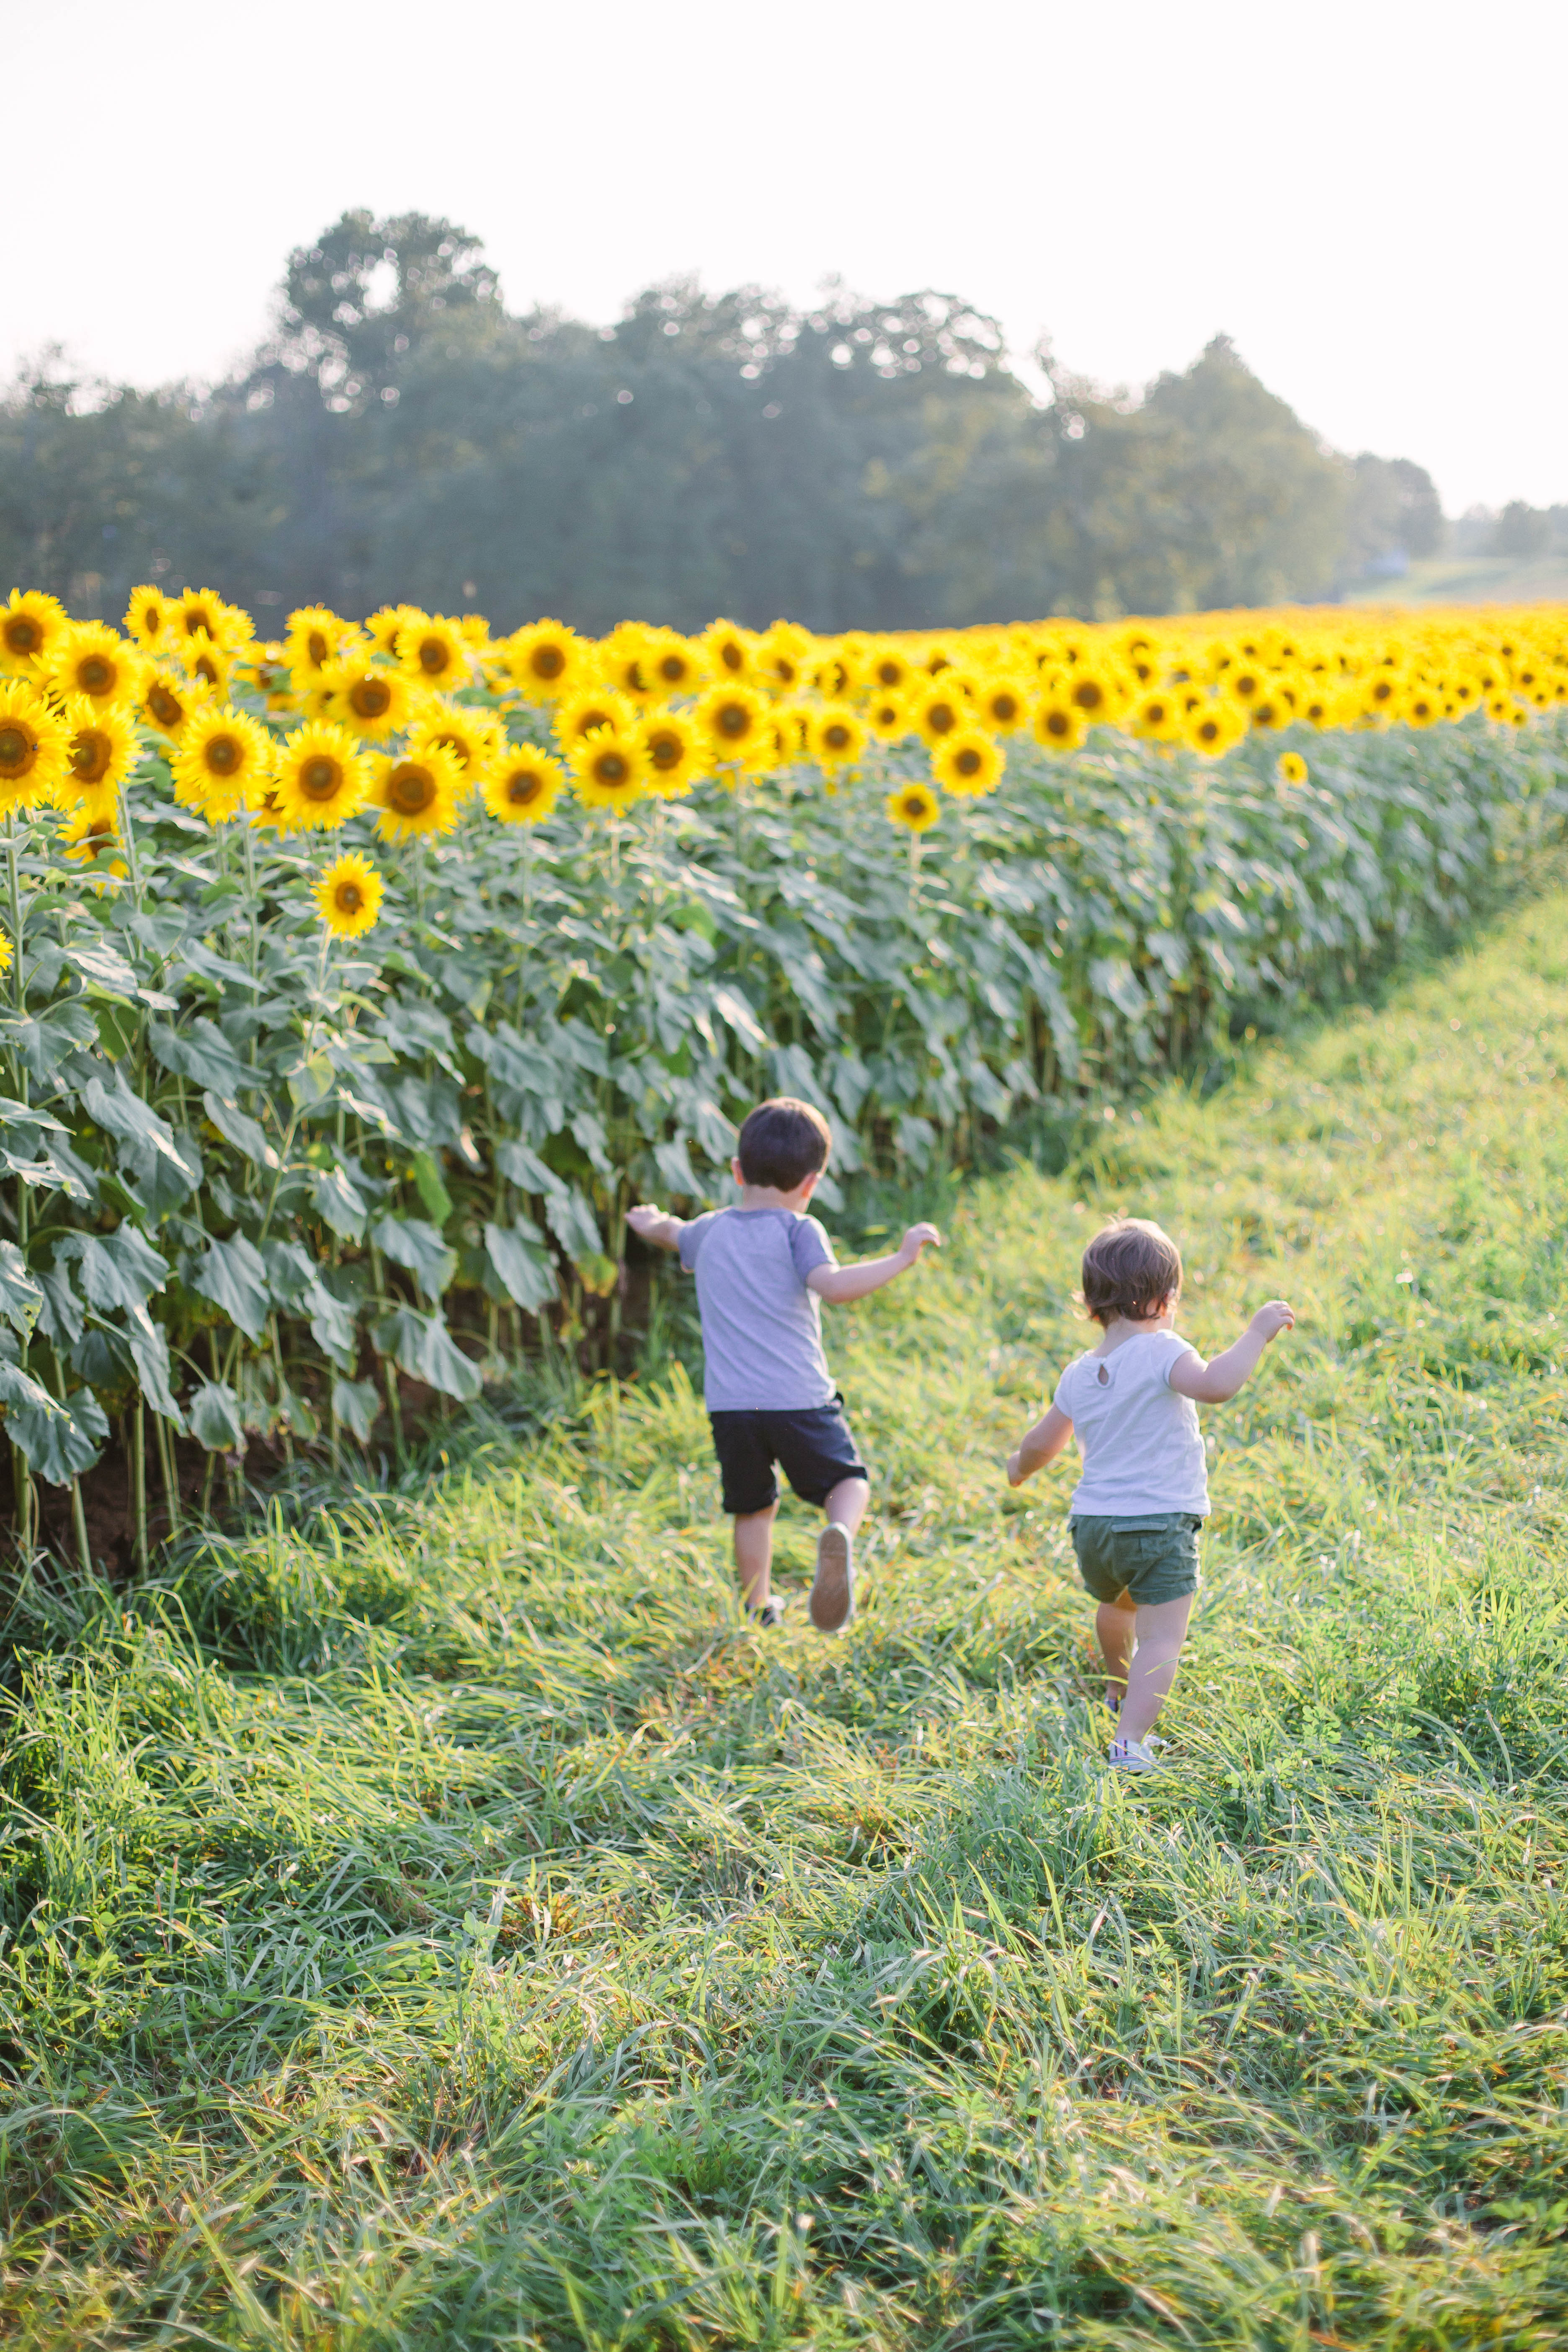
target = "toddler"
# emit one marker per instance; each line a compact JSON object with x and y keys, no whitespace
{"x":764,"y":1268}
{"x":1143,"y":1494}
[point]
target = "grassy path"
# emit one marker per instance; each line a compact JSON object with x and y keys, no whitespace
{"x":445,"y":1925}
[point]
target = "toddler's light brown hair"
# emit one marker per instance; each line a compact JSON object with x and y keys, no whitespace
{"x":1129,"y":1269}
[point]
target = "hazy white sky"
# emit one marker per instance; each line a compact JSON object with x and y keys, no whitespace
{"x":1366,"y":194}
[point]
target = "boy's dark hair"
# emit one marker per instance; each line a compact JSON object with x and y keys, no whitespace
{"x":783,"y":1143}
{"x":1128,"y":1269}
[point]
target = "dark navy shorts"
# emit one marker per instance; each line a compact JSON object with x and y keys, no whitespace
{"x":813,"y":1448}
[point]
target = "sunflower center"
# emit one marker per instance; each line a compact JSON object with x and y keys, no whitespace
{"x":206,"y":668}
{"x":592,"y":718}
{"x":18,"y":751}
{"x":968,"y":762}
{"x":888,"y":673}
{"x":165,"y":706}
{"x":95,"y":675}
{"x":1058,"y":722}
{"x":732,"y":656}
{"x":152,"y":620}
{"x":198,"y":622}
{"x":348,"y":897}
{"x":435,"y":655}
{"x":316,"y":646}
{"x":91,"y":752}
{"x":547,"y":661}
{"x":523,"y":787}
{"x":1004,"y":706}
{"x":734,"y":720}
{"x":460,"y":749}
{"x":942,"y":717}
{"x":23,"y":634}
{"x":321,"y":779}
{"x":913,"y":805}
{"x":371,"y":696}
{"x":837,"y":737}
{"x":611,"y":768}
{"x":672,"y":669}
{"x":665,"y":751}
{"x":1088,"y":694}
{"x":410,"y":789}
{"x":224,"y":754}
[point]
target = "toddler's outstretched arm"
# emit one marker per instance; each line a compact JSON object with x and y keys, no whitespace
{"x":656,"y":1225}
{"x":1043,"y":1443}
{"x":1217,"y":1381}
{"x":840,"y":1286}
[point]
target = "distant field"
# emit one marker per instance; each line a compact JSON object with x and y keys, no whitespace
{"x":1471,"y":580}
{"x":439,"y":1922}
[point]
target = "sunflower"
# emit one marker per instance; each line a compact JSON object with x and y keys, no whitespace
{"x":315,"y":638}
{"x":970,"y":761}
{"x":472,"y":739}
{"x":674,"y":750}
{"x":222,"y":763}
{"x":322,"y":778}
{"x":730,"y":651}
{"x":890,"y":670}
{"x":524,"y":786}
{"x":836,"y":736}
{"x":593,"y":707}
{"x":89,"y":831}
{"x":673,"y":665}
{"x":1093,"y":692}
{"x":1156,"y":715}
{"x":202,"y":660}
{"x":942,"y":708}
{"x":382,"y":629}
{"x":367,"y":697}
{"x":147,"y":619}
{"x":168,"y":701}
{"x":348,"y":895}
{"x":734,"y":719}
{"x":35,"y":747}
{"x":1215,"y":727}
{"x":92,"y":660}
{"x":1269,"y":710}
{"x":196,"y":612}
{"x":783,"y":656}
{"x":545,"y":660}
{"x":1060,"y":724}
{"x":610,"y":769}
{"x":914,"y":805}
{"x":839,"y":675}
{"x":415,"y":792}
{"x":435,"y":651}
{"x":1004,"y":702}
{"x":1291,"y":768}
{"x":29,"y":625}
{"x":624,"y":659}
{"x":1421,"y":706}
{"x":102,"y":748}
{"x":887,"y":715}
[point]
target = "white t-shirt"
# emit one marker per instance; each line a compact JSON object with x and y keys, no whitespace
{"x":1142,"y":1447}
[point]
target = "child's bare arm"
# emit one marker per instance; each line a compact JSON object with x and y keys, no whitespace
{"x":656,"y":1225}
{"x":1217,"y":1381}
{"x":1043,"y":1443}
{"x":840,"y":1286}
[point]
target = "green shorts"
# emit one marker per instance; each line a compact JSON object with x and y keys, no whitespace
{"x":1149,"y":1558}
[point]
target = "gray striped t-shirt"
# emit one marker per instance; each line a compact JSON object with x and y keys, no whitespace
{"x":761,"y":1328}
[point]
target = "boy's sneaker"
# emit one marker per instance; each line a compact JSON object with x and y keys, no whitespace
{"x":1132,"y":1756}
{"x":832,"y":1603}
{"x":770,"y":1614}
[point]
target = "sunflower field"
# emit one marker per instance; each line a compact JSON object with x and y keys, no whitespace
{"x":356,"y":983}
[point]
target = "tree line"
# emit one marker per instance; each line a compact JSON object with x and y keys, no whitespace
{"x":400,"y":436}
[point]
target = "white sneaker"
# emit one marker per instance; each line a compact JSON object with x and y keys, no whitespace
{"x":1131,"y":1756}
{"x":832,"y":1603}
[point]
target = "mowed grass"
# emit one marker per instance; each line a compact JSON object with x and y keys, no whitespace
{"x":439,"y":1921}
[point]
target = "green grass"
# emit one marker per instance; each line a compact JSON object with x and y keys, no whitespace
{"x":437,"y":1921}
{"x":1470,"y":579}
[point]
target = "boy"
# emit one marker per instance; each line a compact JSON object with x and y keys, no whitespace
{"x":1143,"y":1496}
{"x":763,"y":1269}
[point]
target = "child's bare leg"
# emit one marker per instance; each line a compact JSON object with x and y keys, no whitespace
{"x":1162,"y":1629}
{"x":754,"y":1553}
{"x":1115,"y":1623}
{"x":846,"y":1506}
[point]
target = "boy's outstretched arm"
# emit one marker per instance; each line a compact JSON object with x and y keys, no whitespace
{"x":841,"y":1285}
{"x":1217,"y":1381}
{"x":1043,"y":1443}
{"x":656,"y":1225}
